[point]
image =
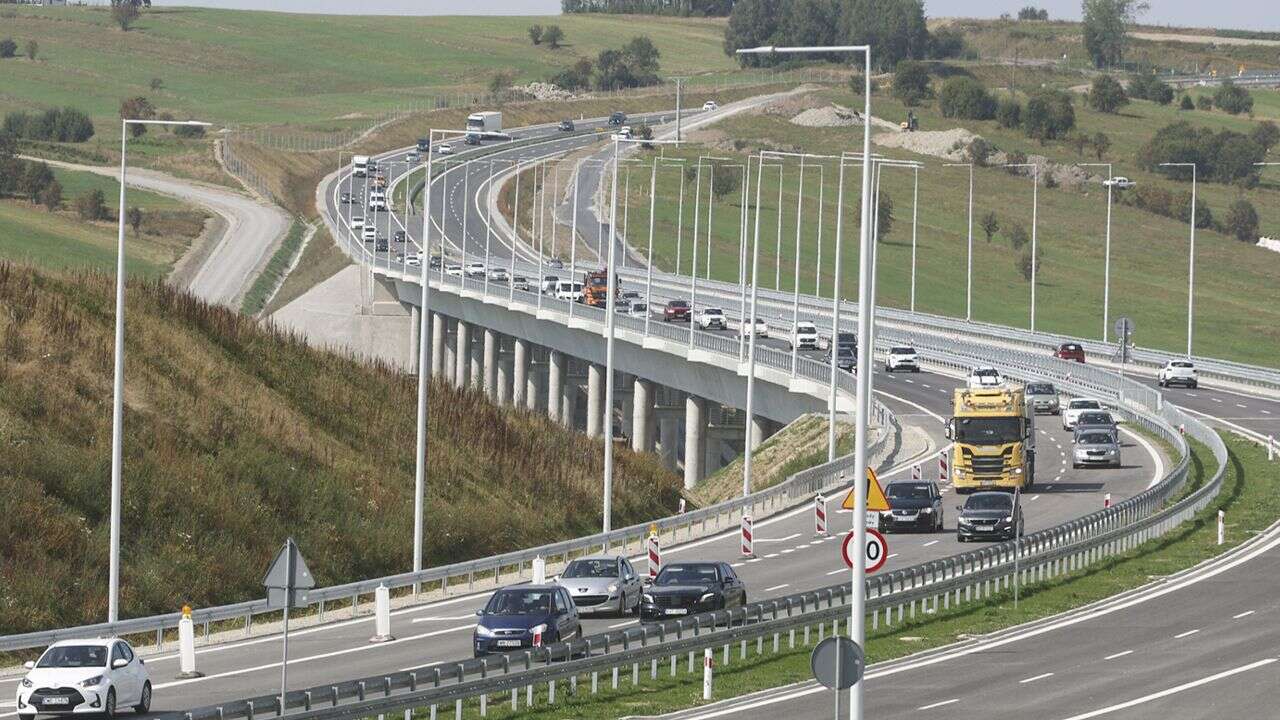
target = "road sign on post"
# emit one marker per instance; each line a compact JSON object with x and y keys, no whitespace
{"x":877,"y":550}
{"x":876,"y":500}
{"x":837,"y":662}
{"x":287,"y":581}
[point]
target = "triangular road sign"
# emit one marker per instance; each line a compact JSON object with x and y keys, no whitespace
{"x":287,"y":575}
{"x":876,"y":501}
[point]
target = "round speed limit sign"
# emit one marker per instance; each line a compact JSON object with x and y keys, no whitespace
{"x":877,"y":550}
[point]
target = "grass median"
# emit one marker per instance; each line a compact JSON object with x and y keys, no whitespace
{"x":1250,"y":496}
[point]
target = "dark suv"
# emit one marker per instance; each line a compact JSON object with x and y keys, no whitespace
{"x":991,"y":514}
{"x":917,"y":505}
{"x":566,"y":126}
{"x":691,"y":588}
{"x":617,"y":118}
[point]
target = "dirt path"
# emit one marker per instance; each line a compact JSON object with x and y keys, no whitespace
{"x":233,"y":257}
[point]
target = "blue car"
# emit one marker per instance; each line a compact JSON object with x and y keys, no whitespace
{"x":515,"y":615}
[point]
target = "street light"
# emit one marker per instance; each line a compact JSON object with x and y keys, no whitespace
{"x":1035,"y":194}
{"x":1191,"y":262}
{"x":866,"y":319}
{"x":117,"y":400}
{"x":1106,"y":262}
{"x":968,"y":293}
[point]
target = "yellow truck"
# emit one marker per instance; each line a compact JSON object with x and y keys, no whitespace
{"x":993,"y":438}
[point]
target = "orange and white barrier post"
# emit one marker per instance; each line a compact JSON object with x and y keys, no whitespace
{"x":943,"y":470}
{"x":655,"y":556}
{"x":1106,"y":500}
{"x":820,"y":516}
{"x":748,"y":541}
{"x":916,"y":471}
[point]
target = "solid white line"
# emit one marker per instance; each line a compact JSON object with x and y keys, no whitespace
{"x":938,"y":704}
{"x":1118,"y":655}
{"x":772,"y":555}
{"x":1246,"y":613}
{"x":1035,"y":678}
{"x":441,"y":618}
{"x":737,"y":564}
{"x":1151,"y":450}
{"x":837,"y":572}
{"x":792,"y":536}
{"x":892,"y":555}
{"x":1265,"y":412}
{"x":777,"y":587}
{"x":1172,"y":691}
{"x":931,"y":542}
{"x":1179,"y":636}
{"x":615,"y":626}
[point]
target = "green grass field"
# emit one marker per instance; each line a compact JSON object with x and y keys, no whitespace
{"x":1236,"y":284}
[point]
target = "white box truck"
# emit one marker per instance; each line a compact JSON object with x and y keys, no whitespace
{"x":489,"y":121}
{"x":360,"y":163}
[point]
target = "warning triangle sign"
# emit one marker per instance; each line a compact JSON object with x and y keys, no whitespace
{"x":876,"y":501}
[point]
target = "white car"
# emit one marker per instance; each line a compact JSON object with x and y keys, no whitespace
{"x":902,"y":357}
{"x":498,"y":275}
{"x":377,"y":202}
{"x":414,"y":260}
{"x":1075,"y":407}
{"x":806,"y":336}
{"x":638,"y":310}
{"x":84,"y":677}
{"x":985,"y":377}
{"x":1120,"y":182}
{"x":475,"y":270}
{"x":625,"y":132}
{"x":712,"y":318}
{"x":444,"y":149}
{"x":1179,"y":372}
{"x":357,"y":222}
{"x":571,"y":291}
{"x":368,"y":233}
{"x":710,"y":105}
{"x":549,"y":284}
{"x":453,"y":269}
{"x":762,"y":328}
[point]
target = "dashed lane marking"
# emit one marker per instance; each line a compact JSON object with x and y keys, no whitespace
{"x":1035,"y":678}
{"x":1118,"y":655}
{"x":1188,"y":633}
{"x":1244,"y":614}
{"x":938,"y":704}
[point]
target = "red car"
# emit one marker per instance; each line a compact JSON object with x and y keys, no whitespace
{"x":1070,"y":351}
{"x":677,"y":310}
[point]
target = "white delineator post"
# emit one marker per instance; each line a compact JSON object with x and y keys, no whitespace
{"x":382,"y":615}
{"x":748,"y":541}
{"x":708,"y":662}
{"x":539,"y":570}
{"x":1222,"y":528}
{"x":915,"y":472}
{"x":187,"y":646}
{"x":1106,"y":500}
{"x":1271,"y":447}
{"x":820,"y":516}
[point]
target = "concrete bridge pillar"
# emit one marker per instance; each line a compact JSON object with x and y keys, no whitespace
{"x":462,"y":355}
{"x":555,"y":385}
{"x":519,"y":371}
{"x":642,"y":415}
{"x":411,"y":361}
{"x":438,"y":332}
{"x":695,"y":440}
{"x":761,"y":429}
{"x":503,"y":379}
{"x":668,"y":438}
{"x":477,"y":359}
{"x":492,"y":340}
{"x":450,"y":374}
{"x":595,"y":400}
{"x":536,"y":383}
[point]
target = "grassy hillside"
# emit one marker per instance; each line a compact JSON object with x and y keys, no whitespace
{"x":235,"y":437}
{"x":1237,"y":313}
{"x":60,"y":239}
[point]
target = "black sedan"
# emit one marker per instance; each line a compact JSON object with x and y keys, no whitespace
{"x":917,"y":505}
{"x":691,"y":588}
{"x":525,"y":616}
{"x":846,"y":357}
{"x":990,"y":515}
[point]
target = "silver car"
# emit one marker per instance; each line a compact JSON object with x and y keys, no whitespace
{"x":602,"y":584}
{"x":1096,"y":447}
{"x":1043,"y":398}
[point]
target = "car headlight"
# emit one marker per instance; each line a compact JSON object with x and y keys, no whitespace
{"x":482,"y":631}
{"x":94,"y":681}
{"x":1008,"y":518}
{"x":706,"y":596}
{"x":646,"y":597}
{"x":26,"y":682}
{"x":1017,"y":471}
{"x":613,"y":588}
{"x":957,"y":472}
{"x":964,"y":521}
{"x":927,"y":511}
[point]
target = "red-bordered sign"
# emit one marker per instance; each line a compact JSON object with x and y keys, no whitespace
{"x":877,"y":550}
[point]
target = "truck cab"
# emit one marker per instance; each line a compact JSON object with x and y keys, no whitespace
{"x":993,"y":440}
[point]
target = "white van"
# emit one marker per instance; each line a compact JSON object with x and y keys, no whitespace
{"x":571,"y":291}
{"x":360,"y":165}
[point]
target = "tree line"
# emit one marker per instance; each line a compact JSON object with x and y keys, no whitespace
{"x":66,"y":124}
{"x":683,"y":8}
{"x":635,"y":64}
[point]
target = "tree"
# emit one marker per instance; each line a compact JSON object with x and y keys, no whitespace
{"x":911,"y":83}
{"x":134,"y":218}
{"x":33,"y":49}
{"x":978,"y":151}
{"x":92,"y":206}
{"x":1149,"y":87}
{"x":726,"y":180}
{"x":137,"y":108}
{"x":1186,"y":103}
{"x":966,"y":98}
{"x":1265,"y":134}
{"x":500,"y":81}
{"x":535,"y":34}
{"x":1232,"y":98}
{"x":35,"y":178}
{"x":1017,"y":236}
{"x":1107,"y":94}
{"x":1049,"y":115}
{"x":575,"y":77}
{"x":188,"y":131}
{"x":751,"y":24}
{"x":1101,"y":144}
{"x":1105,"y":25}
{"x":1024,"y":263}
{"x":1032,"y":13}
{"x":553,"y":36}
{"x":50,"y":196}
{"x":8,"y":48}
{"x":1009,"y":113}
{"x":1241,"y":221}
{"x":947,"y":42}
{"x":156,"y":84}
{"x":895,"y":28}
{"x":124,"y":13}
{"x":1079,"y":141}
{"x":1204,"y":102}
{"x":642,"y":57}
{"x":989,"y":224}
{"x":858,"y":84}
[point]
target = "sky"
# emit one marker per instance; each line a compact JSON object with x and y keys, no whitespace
{"x":1240,"y":14}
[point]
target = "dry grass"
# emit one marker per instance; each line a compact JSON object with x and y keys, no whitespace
{"x":236,"y":436}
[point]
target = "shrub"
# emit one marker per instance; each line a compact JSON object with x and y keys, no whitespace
{"x":1107,"y":95}
{"x":1024,"y":263}
{"x":946,"y":43}
{"x":989,"y":224}
{"x":1204,"y":102}
{"x":33,"y":49}
{"x":1232,"y":98}
{"x":53,"y":125}
{"x":1009,"y":113}
{"x":966,"y":98}
{"x":1265,"y":134}
{"x":1186,"y":103}
{"x":1049,"y":115}
{"x":553,"y":36}
{"x":188,"y":131}
{"x":1017,"y":236}
{"x":1241,"y":221}
{"x":50,"y":196}
{"x":1149,"y":87}
{"x":156,"y":84}
{"x":137,"y":108}
{"x":1225,"y":156}
{"x":8,"y":48}
{"x":35,"y":178}
{"x":978,"y":151}
{"x":1181,"y":210}
{"x":92,"y":206}
{"x":857,"y":84}
{"x":911,"y":83}
{"x":1101,"y":144}
{"x":535,"y":34}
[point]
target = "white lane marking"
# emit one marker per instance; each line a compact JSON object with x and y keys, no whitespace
{"x":1241,"y":429}
{"x":788,"y":550}
{"x":1034,"y":497}
{"x":1265,"y":412}
{"x":909,"y":380}
{"x":1217,"y":400}
{"x":792,"y":536}
{"x":1241,"y":405}
{"x":1172,"y":691}
{"x":777,"y":587}
{"x":837,"y":572}
{"x":891,"y":556}
{"x":1188,"y":633}
{"x":440,"y":618}
{"x":930,"y":543}
{"x":1151,"y":450}
{"x":772,"y":555}
{"x":1191,"y":394}
{"x":1035,"y":678}
{"x":815,"y":542}
{"x":1244,"y":614}
{"x":737,"y":564}
{"x":924,"y":384}
{"x":615,"y":626}
{"x":1118,"y":655}
{"x":938,"y":704}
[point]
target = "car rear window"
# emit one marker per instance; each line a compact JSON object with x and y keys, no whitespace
{"x":903,"y":351}
{"x":1040,"y":389}
{"x":1183,"y":365}
{"x":1085,"y":405}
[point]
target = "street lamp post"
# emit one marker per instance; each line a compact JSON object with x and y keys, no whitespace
{"x":968,"y":293}
{"x":1106,"y":260}
{"x":866,"y":318}
{"x":117,"y":399}
{"x":1191,"y":261}
{"x":1035,"y":194}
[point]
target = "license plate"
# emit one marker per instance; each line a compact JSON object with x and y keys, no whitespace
{"x":678,"y":611}
{"x":56,"y":701}
{"x":508,"y":643}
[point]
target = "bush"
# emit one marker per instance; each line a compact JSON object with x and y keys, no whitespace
{"x":1225,"y":156}
{"x":945,"y":43}
{"x":1024,"y":266}
{"x":535,"y":34}
{"x":1148,"y":87}
{"x":50,"y":196}
{"x":911,"y":83}
{"x":8,"y":48}
{"x":188,"y":131}
{"x":857,"y":84}
{"x":1186,"y":103}
{"x":966,"y":98}
{"x":1232,"y":98}
{"x":1031,"y":12}
{"x":1049,"y":115}
{"x":1107,"y":95}
{"x":1009,"y":113}
{"x":53,"y":125}
{"x":1017,"y":236}
{"x":1181,"y":210}
{"x":576,"y":77}
{"x":978,"y":152}
{"x":553,"y":36}
{"x":1204,"y":102}
{"x":1241,"y":221}
{"x":137,"y":108}
{"x":92,"y":206}
{"x":1265,"y":134}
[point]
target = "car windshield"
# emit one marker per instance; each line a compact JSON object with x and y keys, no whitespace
{"x":988,"y":430}
{"x":700,"y":574}
{"x":989,"y":501}
{"x":1040,"y":389}
{"x":1070,"y":347}
{"x":1181,"y":364}
{"x":844,"y":351}
{"x":602,"y":568}
{"x":639,"y":306}
{"x":1095,"y":418}
{"x":806,"y":328}
{"x":902,"y":351}
{"x":519,"y":602}
{"x":74,"y":656}
{"x":678,"y":304}
{"x":713,"y":311}
{"x":1085,"y":405}
{"x":910,"y":491}
{"x":1096,"y":438}
{"x":987,"y":374}
{"x":846,"y":338}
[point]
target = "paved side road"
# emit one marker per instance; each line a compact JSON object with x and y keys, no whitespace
{"x":251,"y":231}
